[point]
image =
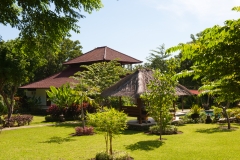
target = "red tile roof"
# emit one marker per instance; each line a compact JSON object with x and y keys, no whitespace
{"x":103,"y":54}
{"x":97,"y":55}
{"x":55,"y":80}
{"x":194,"y":92}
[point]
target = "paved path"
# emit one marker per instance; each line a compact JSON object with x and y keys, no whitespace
{"x":33,"y":126}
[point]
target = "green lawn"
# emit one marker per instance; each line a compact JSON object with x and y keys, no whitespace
{"x":198,"y":141}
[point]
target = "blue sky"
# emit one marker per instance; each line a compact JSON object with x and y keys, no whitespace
{"x":135,"y":27}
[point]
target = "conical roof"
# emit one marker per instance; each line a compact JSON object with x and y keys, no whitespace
{"x":101,"y":54}
{"x":136,"y":84}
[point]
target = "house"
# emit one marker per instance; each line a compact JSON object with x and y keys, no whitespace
{"x":100,"y":54}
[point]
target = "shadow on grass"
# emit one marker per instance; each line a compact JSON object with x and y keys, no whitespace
{"x":67,"y":124}
{"x":130,"y":132}
{"x":145,"y":145}
{"x":58,"y":140}
{"x":216,"y":130}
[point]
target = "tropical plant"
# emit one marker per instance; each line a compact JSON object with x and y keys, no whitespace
{"x":110,"y":122}
{"x":62,"y":96}
{"x":215,"y":57}
{"x":196,"y":109}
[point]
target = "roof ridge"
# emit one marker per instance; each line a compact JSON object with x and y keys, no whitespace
{"x":124,"y":54}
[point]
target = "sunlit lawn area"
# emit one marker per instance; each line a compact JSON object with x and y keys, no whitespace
{"x":198,"y":141}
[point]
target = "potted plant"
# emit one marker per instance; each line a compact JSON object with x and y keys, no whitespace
{"x":195,"y":111}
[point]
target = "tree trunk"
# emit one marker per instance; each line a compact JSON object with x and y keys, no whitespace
{"x":160,"y":125}
{"x":106,"y":141}
{"x":226,"y":115}
{"x":9,"y":103}
{"x":110,"y":141}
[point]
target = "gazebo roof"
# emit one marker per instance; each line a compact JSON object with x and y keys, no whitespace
{"x":101,"y":54}
{"x":135,"y":84}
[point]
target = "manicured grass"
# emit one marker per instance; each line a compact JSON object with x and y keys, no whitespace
{"x":198,"y":141}
{"x":38,"y":120}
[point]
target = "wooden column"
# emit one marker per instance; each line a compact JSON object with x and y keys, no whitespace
{"x":120,"y":103}
{"x":139,"y":102}
{"x":182,"y":103}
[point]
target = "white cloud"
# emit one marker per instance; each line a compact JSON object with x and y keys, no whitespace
{"x":203,"y":10}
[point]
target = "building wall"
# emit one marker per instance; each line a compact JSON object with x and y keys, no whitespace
{"x":39,"y":93}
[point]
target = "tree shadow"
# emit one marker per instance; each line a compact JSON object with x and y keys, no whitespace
{"x":145,"y":145}
{"x":67,"y":124}
{"x":58,"y":140}
{"x":216,"y":130}
{"x":130,"y":132}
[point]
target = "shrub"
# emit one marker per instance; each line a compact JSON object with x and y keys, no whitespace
{"x":54,"y":111}
{"x":103,"y":156}
{"x":117,"y":155}
{"x":19,"y":120}
{"x":49,"y":118}
{"x":79,"y":131}
{"x":73,"y":112}
{"x":169,"y":129}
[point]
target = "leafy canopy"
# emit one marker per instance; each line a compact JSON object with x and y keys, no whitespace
{"x":16,"y":68}
{"x":99,"y":75}
{"x":216,"y":57}
{"x":46,"y":20}
{"x":110,"y":122}
{"x":161,"y":94}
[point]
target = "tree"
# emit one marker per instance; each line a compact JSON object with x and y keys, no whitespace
{"x":157,"y":59}
{"x":111,"y":122}
{"x":216,"y":56}
{"x":16,"y":68}
{"x":99,"y":76}
{"x":53,"y":61}
{"x":161,"y":95}
{"x":47,"y":21}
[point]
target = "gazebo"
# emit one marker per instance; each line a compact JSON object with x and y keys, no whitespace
{"x":133,"y":86}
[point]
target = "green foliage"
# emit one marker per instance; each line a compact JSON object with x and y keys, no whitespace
{"x":28,"y":104}
{"x":16,"y":68}
{"x":161,"y":94}
{"x":215,"y":57}
{"x":120,"y":155}
{"x":99,"y":76}
{"x":196,"y":109}
{"x":47,"y":20}
{"x":53,"y":59}
{"x":3,"y":107}
{"x":110,"y":121}
{"x":158,"y":58}
{"x":103,"y":156}
{"x":62,"y":96}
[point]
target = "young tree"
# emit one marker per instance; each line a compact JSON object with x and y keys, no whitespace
{"x":45,"y":20}
{"x":111,"y":122}
{"x":99,"y":76}
{"x":161,"y":94}
{"x":216,"y":57}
